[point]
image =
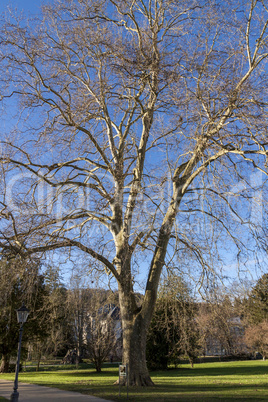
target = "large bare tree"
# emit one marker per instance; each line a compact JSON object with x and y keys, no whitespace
{"x":135,"y":119}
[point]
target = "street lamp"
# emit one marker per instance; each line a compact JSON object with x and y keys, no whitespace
{"x":22,"y":315}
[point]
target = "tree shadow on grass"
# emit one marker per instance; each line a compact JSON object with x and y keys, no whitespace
{"x":191,"y":392}
{"x":197,"y":371}
{"x":213,"y":371}
{"x":220,"y":389}
{"x":186,"y":393}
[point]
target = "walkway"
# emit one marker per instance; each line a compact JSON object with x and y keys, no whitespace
{"x":37,"y":393}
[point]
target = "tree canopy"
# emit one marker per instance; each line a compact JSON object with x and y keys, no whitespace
{"x":256,"y":304}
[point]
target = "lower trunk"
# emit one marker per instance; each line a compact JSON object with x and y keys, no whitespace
{"x":78,"y":358}
{"x":134,"y":350}
{"x":134,"y":354}
{"x":191,"y":361}
{"x":135,"y":324}
{"x":38,"y":360}
{"x":4,"y":367}
{"x":98,"y":365}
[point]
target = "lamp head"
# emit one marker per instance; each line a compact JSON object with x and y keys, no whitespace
{"x":22,"y":314}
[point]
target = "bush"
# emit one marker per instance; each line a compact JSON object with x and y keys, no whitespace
{"x":12,"y":368}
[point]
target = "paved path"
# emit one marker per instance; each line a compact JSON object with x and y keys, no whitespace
{"x":38,"y":393}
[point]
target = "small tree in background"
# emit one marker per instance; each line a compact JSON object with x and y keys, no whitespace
{"x":173,"y":331}
{"x":91,"y":321}
{"x":220,"y":328}
{"x":78,"y":302}
{"x":190,"y":342}
{"x":256,"y":337}
{"x":102,"y":330}
{"x":59,"y":327}
{"x":163,"y":338}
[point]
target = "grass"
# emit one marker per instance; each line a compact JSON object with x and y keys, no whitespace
{"x":240,"y":381}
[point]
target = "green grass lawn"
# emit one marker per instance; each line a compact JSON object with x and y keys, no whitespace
{"x":243,"y":380}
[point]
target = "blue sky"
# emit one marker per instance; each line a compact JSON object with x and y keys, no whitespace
{"x":31,"y":6}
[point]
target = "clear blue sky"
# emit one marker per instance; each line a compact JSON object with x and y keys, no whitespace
{"x":31,"y":6}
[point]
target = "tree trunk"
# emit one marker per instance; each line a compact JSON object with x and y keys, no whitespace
{"x":135,"y":326}
{"x":191,"y":361}
{"x":98,"y":364}
{"x":4,"y":364}
{"x":38,"y":360}
{"x":134,"y":353}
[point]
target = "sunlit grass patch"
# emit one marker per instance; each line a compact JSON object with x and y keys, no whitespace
{"x":221,"y":381}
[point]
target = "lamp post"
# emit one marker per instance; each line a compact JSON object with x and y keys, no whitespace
{"x":22,"y":315}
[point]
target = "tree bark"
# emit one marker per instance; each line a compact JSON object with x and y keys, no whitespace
{"x":134,"y":341}
{"x":4,"y":363}
{"x":98,"y":365}
{"x":38,"y":359}
{"x":135,"y":326}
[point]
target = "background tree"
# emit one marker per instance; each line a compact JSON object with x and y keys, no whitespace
{"x":59,"y":327}
{"x":255,"y":306}
{"x":255,"y":316}
{"x":103,"y":329}
{"x":20,"y":282}
{"x":173,"y":331}
{"x":256,"y":337}
{"x":57,"y":339}
{"x":94,"y":321}
{"x":220,"y":327}
{"x":78,"y":300}
{"x":163,"y":338}
{"x":134,"y":140}
{"x":191,"y":338}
